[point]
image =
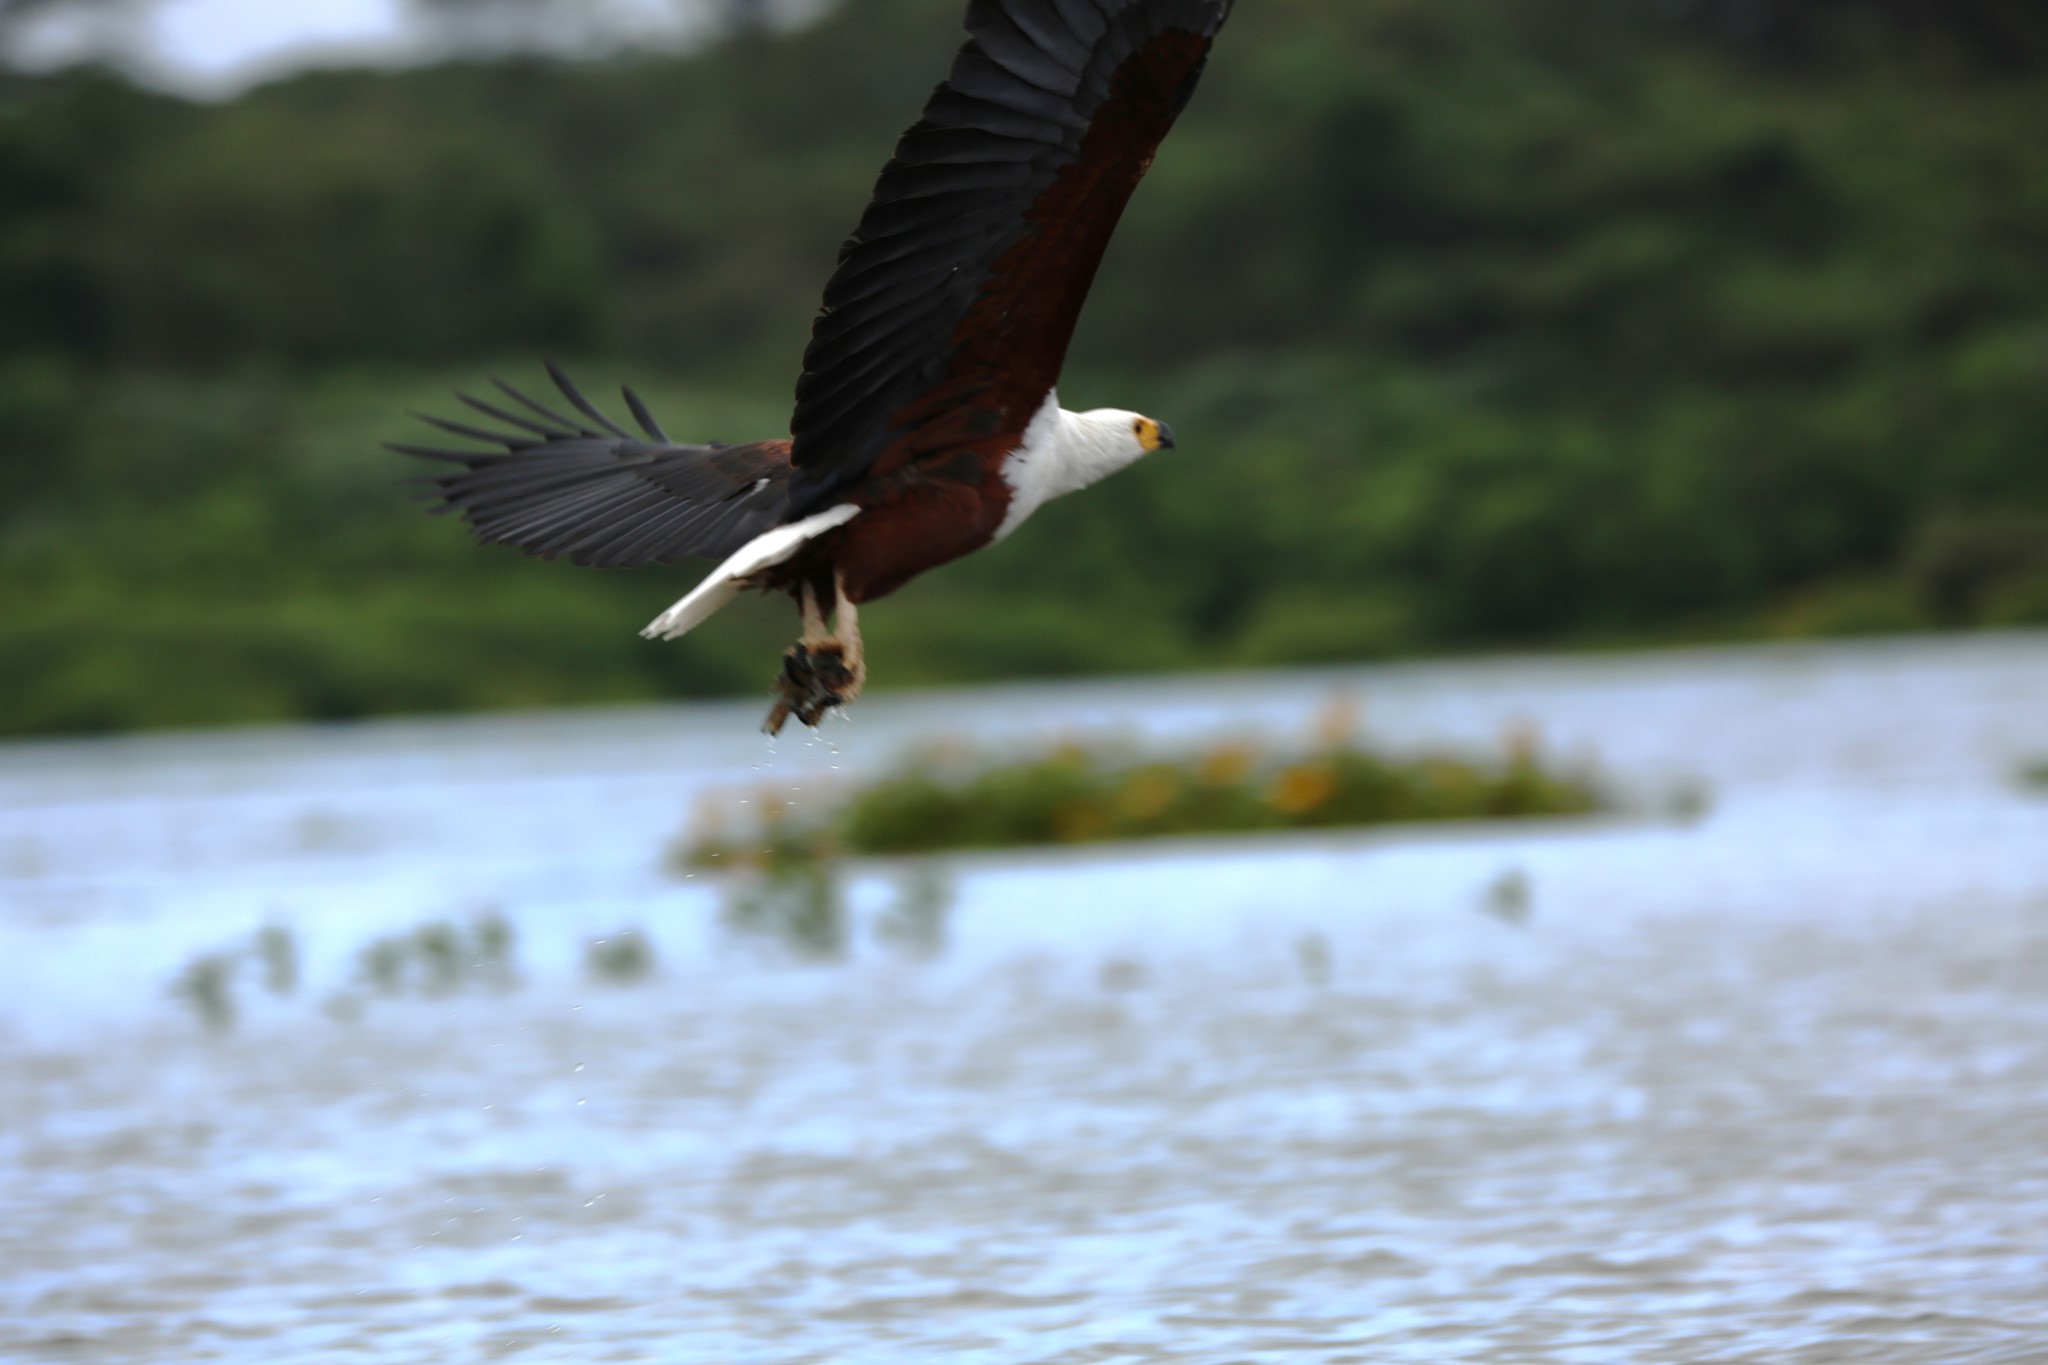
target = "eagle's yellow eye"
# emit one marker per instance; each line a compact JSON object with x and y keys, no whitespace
{"x":1151,"y":435}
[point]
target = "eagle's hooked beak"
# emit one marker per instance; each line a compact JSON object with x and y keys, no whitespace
{"x":1165,"y":435}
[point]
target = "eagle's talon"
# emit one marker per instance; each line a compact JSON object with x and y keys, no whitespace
{"x":796,"y":669}
{"x":833,"y":675}
{"x":812,"y":682}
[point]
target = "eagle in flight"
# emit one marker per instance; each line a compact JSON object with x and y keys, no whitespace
{"x":926,"y":422}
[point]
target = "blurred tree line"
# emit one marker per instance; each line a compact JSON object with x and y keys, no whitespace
{"x":1484,"y":323}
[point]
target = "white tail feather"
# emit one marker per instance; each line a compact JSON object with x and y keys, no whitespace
{"x":723,"y":584}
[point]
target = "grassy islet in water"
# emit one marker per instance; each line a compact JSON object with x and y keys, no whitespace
{"x":945,"y":798}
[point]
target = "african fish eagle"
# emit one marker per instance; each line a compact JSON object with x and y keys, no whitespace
{"x":926,"y":423}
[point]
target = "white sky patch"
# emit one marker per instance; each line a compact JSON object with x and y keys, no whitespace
{"x":219,"y":47}
{"x":220,"y":43}
{"x":584,"y":28}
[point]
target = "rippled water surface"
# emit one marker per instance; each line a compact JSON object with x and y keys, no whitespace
{"x":1771,"y":1085}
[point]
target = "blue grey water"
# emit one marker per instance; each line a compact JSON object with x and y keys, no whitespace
{"x":1765,"y":1084}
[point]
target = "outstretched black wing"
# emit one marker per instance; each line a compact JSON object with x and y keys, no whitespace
{"x":586,"y":489}
{"x":949,"y":315}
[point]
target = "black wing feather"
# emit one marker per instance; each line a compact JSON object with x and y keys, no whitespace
{"x":584,"y":405}
{"x":644,"y":417}
{"x":568,"y":427}
{"x":498,"y":414}
{"x":600,"y":495}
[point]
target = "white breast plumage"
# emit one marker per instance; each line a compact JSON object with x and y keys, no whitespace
{"x":1033,"y":470}
{"x":1064,"y":452}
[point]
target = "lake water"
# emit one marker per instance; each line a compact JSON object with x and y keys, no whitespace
{"x":1766,"y":1085}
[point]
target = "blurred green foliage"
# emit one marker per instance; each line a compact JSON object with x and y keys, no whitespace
{"x":1079,"y":796}
{"x":1482,"y":323}
{"x":441,"y":958}
{"x":791,"y":900}
{"x":206,"y":985}
{"x":950,"y":798}
{"x":786,"y":897}
{"x":626,"y":958}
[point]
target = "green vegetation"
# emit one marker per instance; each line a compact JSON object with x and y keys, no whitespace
{"x":1077,"y":796}
{"x":953,"y":798}
{"x":791,"y":899}
{"x":441,"y":959}
{"x":1482,"y":322}
{"x":784,"y":893}
{"x":623,"y":959}
{"x":2034,"y":776}
{"x":436,"y":961}
{"x":206,"y":986}
{"x":277,"y":949}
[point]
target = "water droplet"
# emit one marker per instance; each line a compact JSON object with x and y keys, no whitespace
{"x":582,"y":1101}
{"x":579,"y":1066}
